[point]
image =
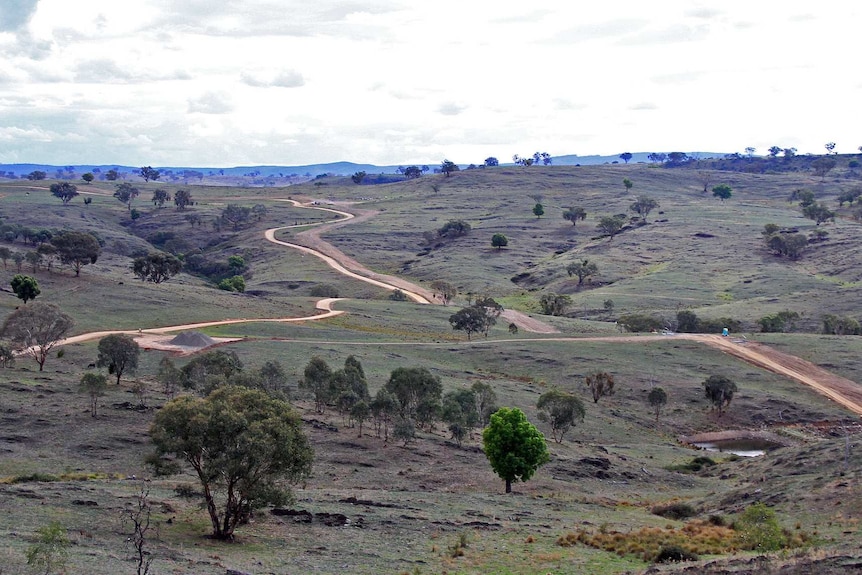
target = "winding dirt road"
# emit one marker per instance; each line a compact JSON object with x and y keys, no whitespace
{"x":843,"y":391}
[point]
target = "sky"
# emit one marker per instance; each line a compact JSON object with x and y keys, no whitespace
{"x":220,"y":83}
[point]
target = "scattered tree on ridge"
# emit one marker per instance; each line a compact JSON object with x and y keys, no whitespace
{"x":25,"y":287}
{"x":88,"y":177}
{"x":719,"y":391}
{"x":37,"y":328}
{"x":657,"y":399}
{"x":183,"y":199}
{"x":611,"y":225}
{"x":126,"y":193}
{"x":626,"y":156}
{"x":554,"y":304}
{"x":160,"y":196}
{"x":445,"y":290}
{"x":538,"y":210}
{"x":156,"y":267}
{"x":76,"y":249}
{"x":575,"y":214}
{"x":65,"y":191}
{"x":95,"y":385}
{"x":514,"y":447}
{"x":561,"y":410}
{"x":148,"y":173}
{"x":722,"y":192}
{"x":583,"y":270}
{"x":119,"y":353}
{"x":447,"y":167}
{"x":239,"y":442}
{"x":643,"y":206}
{"x":499,"y":241}
{"x":628,"y":184}
{"x":600,"y":384}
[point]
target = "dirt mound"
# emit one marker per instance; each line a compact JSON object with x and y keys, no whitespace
{"x":193,"y":339}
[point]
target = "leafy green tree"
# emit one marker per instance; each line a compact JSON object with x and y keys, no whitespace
{"x":554,"y":303}
{"x":805,"y":197}
{"x":317,"y":378}
{"x":50,"y":551}
{"x":628,"y":184}
{"x":561,"y":410}
{"x":76,"y":249}
{"x":582,"y":269}
{"x":600,"y":384}
{"x":819,"y":213}
{"x":357,"y":177}
{"x":37,"y":175}
{"x":626,"y":156}
{"x":611,"y":225}
{"x":148,"y":173}
{"x":719,"y":391}
{"x":687,"y":321}
{"x":25,"y":287}
{"x":835,"y":325}
{"x":160,"y":197}
{"x":643,"y":206}
{"x":657,"y":399}
{"x":183,"y":199}
{"x":778,"y":322}
{"x":513,"y":446}
{"x":454,"y":229}
{"x":575,"y":214}
{"x":95,"y":385}
{"x":417,"y":392}
{"x":499,"y":241}
{"x":538,"y":210}
{"x":447,"y":167}
{"x":491,"y":162}
{"x":758,"y":529}
{"x":238,"y":441}
{"x":37,"y":328}
{"x":18,"y":258}
{"x":65,"y":191}
{"x":119,"y":353}
{"x":722,"y":192}
{"x":412,"y":172}
{"x":169,"y":376}
{"x":88,"y":177}
{"x":126,"y":193}
{"x":445,"y":290}
{"x":234,"y":283}
{"x":210,"y":370}
{"x":5,"y":255}
{"x":404,"y":430}
{"x":112,"y":175}
{"x":156,"y":267}
{"x":360,"y":413}
{"x":638,"y":322}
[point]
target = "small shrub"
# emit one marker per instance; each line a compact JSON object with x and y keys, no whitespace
{"x":187,"y":491}
{"x":676,"y":511}
{"x":324,"y":290}
{"x":759,"y":530}
{"x":693,"y":466}
{"x":398,"y":295}
{"x":672,"y":553}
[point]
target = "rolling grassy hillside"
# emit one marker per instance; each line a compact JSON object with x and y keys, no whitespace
{"x":408,"y":507}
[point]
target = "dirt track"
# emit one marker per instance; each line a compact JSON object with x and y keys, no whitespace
{"x":841,"y":390}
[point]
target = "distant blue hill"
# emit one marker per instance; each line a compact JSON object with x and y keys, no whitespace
{"x":308,"y":170}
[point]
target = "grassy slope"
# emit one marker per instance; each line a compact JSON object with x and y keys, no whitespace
{"x":435,"y":490}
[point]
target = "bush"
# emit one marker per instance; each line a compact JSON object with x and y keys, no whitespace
{"x":759,"y":530}
{"x":693,"y":466}
{"x":636,"y":322}
{"x":673,"y":553}
{"x":324,"y":290}
{"x":676,"y":511}
{"x":235,"y":283}
{"x":398,"y":295}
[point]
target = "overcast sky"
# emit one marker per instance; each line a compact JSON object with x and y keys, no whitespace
{"x":221,"y":83}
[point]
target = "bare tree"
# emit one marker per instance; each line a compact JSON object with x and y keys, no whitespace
{"x":138,"y":516}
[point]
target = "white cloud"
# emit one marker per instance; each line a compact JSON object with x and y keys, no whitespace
{"x":16,"y":13}
{"x":211,"y":103}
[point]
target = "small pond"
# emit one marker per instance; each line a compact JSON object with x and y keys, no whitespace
{"x":750,"y":447}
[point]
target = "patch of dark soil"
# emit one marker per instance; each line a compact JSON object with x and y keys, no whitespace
{"x":836,"y":565}
{"x":298,"y":515}
{"x":130,"y":406}
{"x":85,"y":503}
{"x":317,"y":424}
{"x":703,"y":235}
{"x":332,"y":519}
{"x":369,"y":503}
{"x":482,"y":525}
